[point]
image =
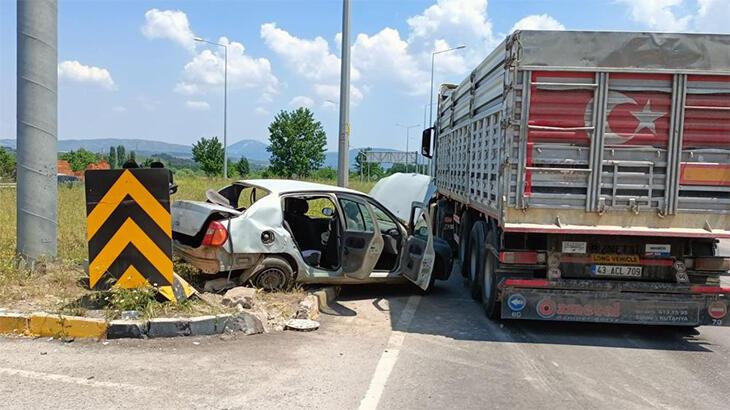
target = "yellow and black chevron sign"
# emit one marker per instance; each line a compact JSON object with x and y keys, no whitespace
{"x":129,"y":228}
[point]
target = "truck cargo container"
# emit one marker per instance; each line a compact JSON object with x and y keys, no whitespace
{"x":585,"y":176}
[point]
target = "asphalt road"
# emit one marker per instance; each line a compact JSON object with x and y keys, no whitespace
{"x":389,"y":348}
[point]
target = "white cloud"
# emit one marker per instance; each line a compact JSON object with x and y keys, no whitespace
{"x":385,"y":56}
{"x":261,"y":111}
{"x":197,"y":105}
{"x":206,"y":71}
{"x":468,"y":17}
{"x":77,"y":72}
{"x":332,"y":92}
{"x":301,"y":101}
{"x":312,"y":59}
{"x":169,"y":24}
{"x":537,"y":22}
{"x":706,"y":16}
{"x":119,"y":108}
{"x":658,"y":14}
{"x":712,"y":16}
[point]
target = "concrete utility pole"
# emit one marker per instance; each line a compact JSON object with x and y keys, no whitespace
{"x":225,"y":101}
{"x":343,"y":168}
{"x":37,"y":129}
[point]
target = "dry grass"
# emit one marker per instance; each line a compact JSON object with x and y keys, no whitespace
{"x":57,"y":284}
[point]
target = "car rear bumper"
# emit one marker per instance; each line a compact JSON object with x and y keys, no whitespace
{"x":652,"y":304}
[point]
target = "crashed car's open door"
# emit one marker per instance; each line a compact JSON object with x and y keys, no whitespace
{"x":362,"y":243}
{"x":418,"y":253}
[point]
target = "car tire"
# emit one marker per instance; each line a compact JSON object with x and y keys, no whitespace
{"x":488,"y":280}
{"x":464,"y":232}
{"x":274,"y":274}
{"x":477,"y":253}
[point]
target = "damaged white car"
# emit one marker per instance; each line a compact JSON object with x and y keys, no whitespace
{"x":274,"y":233}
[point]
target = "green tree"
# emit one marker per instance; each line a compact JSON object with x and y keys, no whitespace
{"x":132,"y":156}
{"x":209,"y":154}
{"x":242,"y":167}
{"x":121,"y":156}
{"x":113,"y":157}
{"x":7,"y":163}
{"x":80,"y":159}
{"x":297,"y":143}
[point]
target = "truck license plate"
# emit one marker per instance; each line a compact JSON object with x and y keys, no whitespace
{"x":618,"y":271}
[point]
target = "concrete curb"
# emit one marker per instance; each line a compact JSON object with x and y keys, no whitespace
{"x":326,"y":296}
{"x":62,"y":326}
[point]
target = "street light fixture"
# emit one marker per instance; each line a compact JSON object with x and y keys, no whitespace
{"x":225,"y":101}
{"x":433,"y":55}
{"x":408,"y":137}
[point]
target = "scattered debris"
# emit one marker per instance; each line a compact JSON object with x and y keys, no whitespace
{"x":218,"y":285}
{"x":308,"y":308}
{"x":302,"y":325}
{"x":244,"y":322}
{"x":130,"y":315}
{"x":243,"y":296}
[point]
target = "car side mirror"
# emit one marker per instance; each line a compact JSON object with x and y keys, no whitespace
{"x":426,"y":138}
{"x":328,"y":211}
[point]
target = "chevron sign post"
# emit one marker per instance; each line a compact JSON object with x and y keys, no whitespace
{"x":129,"y":230}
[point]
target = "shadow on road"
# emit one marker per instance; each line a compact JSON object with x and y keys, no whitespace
{"x":449,"y":311}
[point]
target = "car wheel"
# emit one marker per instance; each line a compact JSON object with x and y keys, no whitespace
{"x":488,"y":276}
{"x":464,"y":231}
{"x":275,"y":274}
{"x":476,"y":257}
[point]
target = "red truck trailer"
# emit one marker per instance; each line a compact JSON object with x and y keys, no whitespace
{"x":585,"y":176}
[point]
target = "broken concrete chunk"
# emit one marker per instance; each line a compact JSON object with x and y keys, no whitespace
{"x":244,"y":322}
{"x":130,"y":314}
{"x":308,"y":308}
{"x":218,"y":285}
{"x":240,"y":296}
{"x":302,"y":325}
{"x":126,"y":329}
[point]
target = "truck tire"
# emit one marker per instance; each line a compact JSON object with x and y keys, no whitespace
{"x":488,"y":280}
{"x":477,"y":253}
{"x":464,"y":232}
{"x":274,"y":274}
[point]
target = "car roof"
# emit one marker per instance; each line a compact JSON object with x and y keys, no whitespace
{"x":282,"y":186}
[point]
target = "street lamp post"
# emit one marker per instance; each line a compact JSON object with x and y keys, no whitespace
{"x":225,"y":101}
{"x":408,"y":138}
{"x":433,"y":55}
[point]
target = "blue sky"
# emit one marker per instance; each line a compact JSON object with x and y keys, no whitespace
{"x":128,"y":69}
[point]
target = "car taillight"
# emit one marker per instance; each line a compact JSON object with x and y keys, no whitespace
{"x":215,"y":235}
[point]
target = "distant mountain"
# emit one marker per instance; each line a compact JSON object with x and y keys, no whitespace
{"x":253,"y":150}
{"x":141,"y":147}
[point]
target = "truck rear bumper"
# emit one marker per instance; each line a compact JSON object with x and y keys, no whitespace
{"x":519,"y":301}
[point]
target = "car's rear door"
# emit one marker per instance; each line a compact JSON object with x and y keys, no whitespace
{"x":362,"y":242}
{"x":418,"y":253}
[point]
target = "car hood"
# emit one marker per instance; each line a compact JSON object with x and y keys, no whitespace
{"x":398,"y":191}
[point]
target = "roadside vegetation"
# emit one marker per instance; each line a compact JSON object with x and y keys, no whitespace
{"x":56,"y":285}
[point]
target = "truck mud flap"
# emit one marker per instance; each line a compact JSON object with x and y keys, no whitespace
{"x":629,"y":308}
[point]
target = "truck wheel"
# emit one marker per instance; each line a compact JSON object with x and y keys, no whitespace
{"x":275,"y":274}
{"x":488,"y":279}
{"x":464,"y":232}
{"x":477,"y":252}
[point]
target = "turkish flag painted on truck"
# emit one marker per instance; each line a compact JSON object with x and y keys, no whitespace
{"x":638,"y":109}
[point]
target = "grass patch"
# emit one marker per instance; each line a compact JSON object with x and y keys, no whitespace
{"x":55,"y":286}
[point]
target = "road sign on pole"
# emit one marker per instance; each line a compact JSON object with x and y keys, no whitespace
{"x":129,"y":230}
